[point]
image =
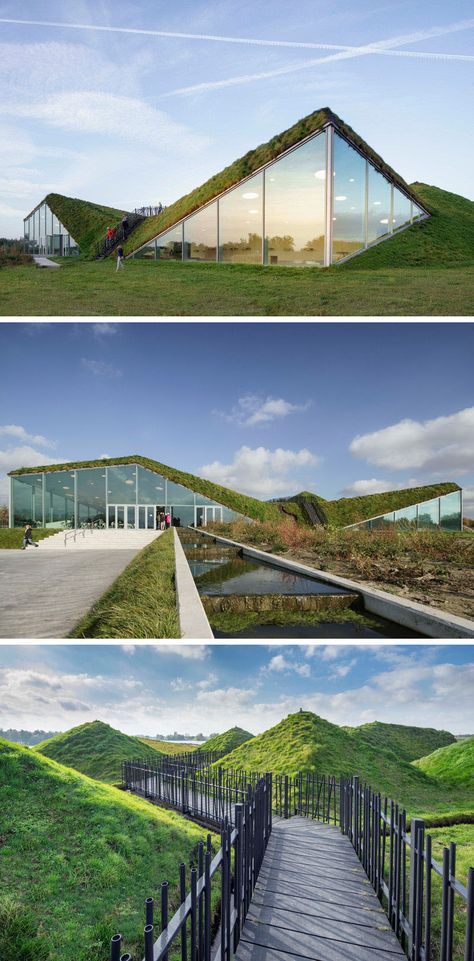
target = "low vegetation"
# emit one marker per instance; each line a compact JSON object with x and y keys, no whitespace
{"x":13,"y":255}
{"x":96,"y":749}
{"x":408,"y":742}
{"x":11,"y":538}
{"x":141,"y":602}
{"x":453,"y":764}
{"x":226,"y":742}
{"x":78,"y":859}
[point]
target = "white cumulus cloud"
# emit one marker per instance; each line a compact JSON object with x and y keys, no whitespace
{"x":439,"y":445}
{"x":260,"y":471}
{"x":19,"y":433}
{"x":251,"y":410}
{"x":99,"y":368}
{"x":281,"y":663}
{"x":374,"y":486}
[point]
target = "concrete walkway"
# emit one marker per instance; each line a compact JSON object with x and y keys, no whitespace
{"x":313,"y":901}
{"x":44,"y":594}
{"x":41,"y":261}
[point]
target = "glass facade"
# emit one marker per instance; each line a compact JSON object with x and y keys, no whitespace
{"x":444,"y":512}
{"x":120,"y":496}
{"x":281,"y":214}
{"x":45,"y":234}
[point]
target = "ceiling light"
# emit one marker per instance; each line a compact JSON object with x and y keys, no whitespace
{"x":384,"y":221}
{"x":129,"y":482}
{"x":351,"y":180}
{"x":253,"y":211}
{"x":340,"y":197}
{"x":320,"y":175}
{"x":377,"y":203}
{"x":66,"y":488}
{"x":250,"y":195}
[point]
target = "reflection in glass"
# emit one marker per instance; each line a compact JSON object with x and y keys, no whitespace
{"x":428,"y":514}
{"x":177,"y":494}
{"x":401,"y":209}
{"x":121,"y":484}
{"x":417,"y":212}
{"x":91,"y":496}
{"x":200,"y":234}
{"x":240,"y":223}
{"x":27,"y":500}
{"x":406,"y":517}
{"x":170,"y":245}
{"x":151,"y":487}
{"x":450,"y":511}
{"x":146,"y":253}
{"x":45,"y":234}
{"x":295,"y":189}
{"x":378,"y":205}
{"x":59,"y":499}
{"x":348,"y":219}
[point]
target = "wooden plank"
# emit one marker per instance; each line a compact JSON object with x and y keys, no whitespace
{"x":323,"y":951}
{"x":358,"y":912}
{"x":329,"y":880}
{"x":314,"y":892}
{"x":335,"y":929}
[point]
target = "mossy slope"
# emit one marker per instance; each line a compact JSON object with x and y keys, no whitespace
{"x":227,"y":741}
{"x":82,"y":856}
{"x":445,"y":239}
{"x":96,"y":749}
{"x":87,"y":222}
{"x":407,"y":742}
{"x":453,"y":764}
{"x":351,"y":510}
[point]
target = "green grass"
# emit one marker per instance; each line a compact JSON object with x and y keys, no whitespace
{"x":463,"y":836}
{"x":227,"y":741}
{"x":351,"y":510}
{"x":78,"y":859}
{"x":453,"y":764}
{"x":174,"y":289}
{"x":87,"y":222}
{"x":306,"y":742}
{"x":408,"y":742}
{"x":141,"y":602}
{"x":231,"y":623}
{"x":96,"y":749}
{"x":168,"y":747}
{"x":11,"y":538}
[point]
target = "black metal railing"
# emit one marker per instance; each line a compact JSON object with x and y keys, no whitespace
{"x":238,"y":862}
{"x":105,"y":247}
{"x":150,"y":211}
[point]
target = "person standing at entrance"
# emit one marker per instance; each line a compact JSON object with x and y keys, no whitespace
{"x":120,"y":257}
{"x":168,"y":520}
{"x":28,"y":538}
{"x":162,"y":521}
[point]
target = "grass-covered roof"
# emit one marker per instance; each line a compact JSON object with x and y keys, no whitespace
{"x":249,"y":164}
{"x":351,"y":510}
{"x":87,"y":222}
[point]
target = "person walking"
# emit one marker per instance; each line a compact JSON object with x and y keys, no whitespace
{"x":162,"y":521}
{"x":125,"y":225}
{"x":120,"y":257}
{"x":28,"y":537}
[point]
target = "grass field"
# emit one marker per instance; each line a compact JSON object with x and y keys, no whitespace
{"x":96,"y":749}
{"x":12,"y":538}
{"x":155,"y":289}
{"x":78,"y":859}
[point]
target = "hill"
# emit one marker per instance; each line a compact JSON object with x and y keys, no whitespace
{"x":78,"y":859}
{"x":87,"y":222}
{"x":453,"y":764}
{"x":409,"y":743}
{"x":95,"y":749}
{"x":227,"y":741}
{"x":168,"y":747}
{"x":306,"y":742}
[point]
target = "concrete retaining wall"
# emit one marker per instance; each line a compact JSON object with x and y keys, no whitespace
{"x":192,"y":616}
{"x":416,"y":617}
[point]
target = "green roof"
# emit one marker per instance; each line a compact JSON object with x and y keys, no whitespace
{"x":249,"y":164}
{"x":352,"y":510}
{"x":87,"y":222}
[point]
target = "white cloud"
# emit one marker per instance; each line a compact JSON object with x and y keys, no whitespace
{"x":375,"y":486}
{"x":190,"y":652}
{"x":251,"y":410}
{"x":179,"y":684}
{"x":104,"y":330}
{"x":260,"y":471}
{"x":15,"y":430}
{"x":281,"y":663}
{"x":129,"y":648}
{"x":442,"y":444}
{"x":342,"y":670}
{"x":468,"y":501}
{"x":22,"y":456}
{"x":99,"y":368}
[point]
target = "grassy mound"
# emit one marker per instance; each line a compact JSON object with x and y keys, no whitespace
{"x":168,"y":747}
{"x":453,"y":764}
{"x":446,"y":239}
{"x":78,"y":859}
{"x":408,"y":743}
{"x":227,"y":741}
{"x":11,"y":538}
{"x":87,"y":222}
{"x":96,"y":749}
{"x":306,"y":742}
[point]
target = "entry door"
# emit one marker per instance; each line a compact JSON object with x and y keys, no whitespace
{"x":212,"y":514}
{"x":122,"y":516}
{"x":146,"y":517}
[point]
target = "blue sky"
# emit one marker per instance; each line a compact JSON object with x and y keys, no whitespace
{"x":133,"y":118}
{"x":208,"y":688}
{"x":269,"y":410}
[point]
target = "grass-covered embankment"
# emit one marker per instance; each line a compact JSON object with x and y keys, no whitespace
{"x":453,"y":764}
{"x":78,"y":860}
{"x":408,"y":742}
{"x":168,"y":747}
{"x":87,"y":222}
{"x":96,"y":749}
{"x":141,"y":602}
{"x":227,"y":741}
{"x":11,"y":538}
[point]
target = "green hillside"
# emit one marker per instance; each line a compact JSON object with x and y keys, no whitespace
{"x":87,"y":222}
{"x":408,"y":743}
{"x":453,"y":764}
{"x":227,"y":741}
{"x":351,"y":510}
{"x":78,"y":860}
{"x":306,"y":742}
{"x":445,"y":239}
{"x":168,"y":747}
{"x":96,"y":749}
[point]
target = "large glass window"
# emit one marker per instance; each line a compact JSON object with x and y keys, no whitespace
{"x":151,"y":487}
{"x":401,"y":209}
{"x":450,"y":511}
{"x":177,"y":494}
{"x":406,"y":517}
{"x":417,"y":212}
{"x":378,"y":205}
{"x":348,"y":217}
{"x":121,"y":484}
{"x":240,"y":223}
{"x":59,"y":499}
{"x":91,"y":496}
{"x":295,"y":193}
{"x":170,"y":245}
{"x":146,"y":253}
{"x":428,"y":514}
{"x":183,"y":515}
{"x":200,"y":234}
{"x":27,"y":500}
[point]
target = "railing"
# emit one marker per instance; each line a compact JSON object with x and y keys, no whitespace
{"x":398,"y":861}
{"x":238,"y":860}
{"x":75,"y":531}
{"x":191,"y":760}
{"x":149,"y":211}
{"x":108,"y":244}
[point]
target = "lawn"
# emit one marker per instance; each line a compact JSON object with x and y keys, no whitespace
{"x":11,"y":538}
{"x":144,"y":289}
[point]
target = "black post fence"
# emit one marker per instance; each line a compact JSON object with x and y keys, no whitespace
{"x":238,"y":861}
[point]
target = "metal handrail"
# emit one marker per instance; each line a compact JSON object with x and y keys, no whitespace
{"x":72,"y":532}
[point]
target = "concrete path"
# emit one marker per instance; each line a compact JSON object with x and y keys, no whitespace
{"x":41,"y":261}
{"x":313,"y":901}
{"x":44,"y":594}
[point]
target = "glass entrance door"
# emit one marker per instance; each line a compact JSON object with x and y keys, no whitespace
{"x":122,"y":516}
{"x":147,"y":517}
{"x":212,"y":514}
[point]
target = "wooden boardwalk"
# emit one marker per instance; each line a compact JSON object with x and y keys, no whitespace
{"x":313,"y":900}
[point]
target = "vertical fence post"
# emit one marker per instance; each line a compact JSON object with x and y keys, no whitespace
{"x":416,"y":831}
{"x":286,"y":798}
{"x":445,"y":906}
{"x":469,"y":946}
{"x":182,"y":895}
{"x":355,"y":813}
{"x":207,"y":906}
{"x":164,"y":911}
{"x":115,"y":947}
{"x":238,"y":873}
